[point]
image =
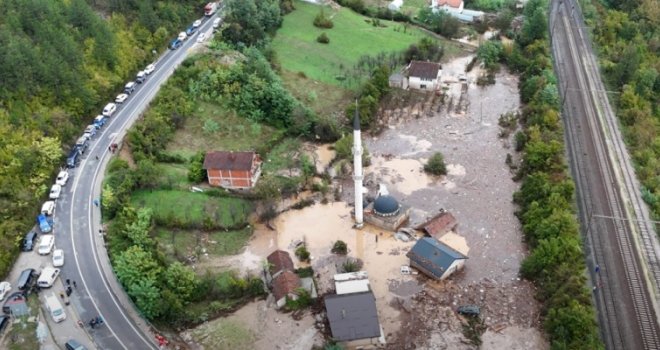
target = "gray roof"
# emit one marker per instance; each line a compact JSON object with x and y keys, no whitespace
{"x":352,"y":316}
{"x":433,"y":256}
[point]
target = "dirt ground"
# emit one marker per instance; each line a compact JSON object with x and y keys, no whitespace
{"x":417,"y":313}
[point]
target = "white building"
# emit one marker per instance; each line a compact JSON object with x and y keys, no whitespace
{"x":352,"y":282}
{"x":424,"y":75}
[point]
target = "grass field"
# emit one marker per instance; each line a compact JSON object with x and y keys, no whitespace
{"x":184,"y":209}
{"x":177,"y":244}
{"x":173,"y":175}
{"x":322,"y":98}
{"x":351,"y":38}
{"x":233,"y":134}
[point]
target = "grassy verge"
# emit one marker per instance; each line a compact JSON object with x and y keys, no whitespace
{"x":179,"y":244}
{"x":192,"y":210}
{"x":350,"y":38}
{"x":233,"y":133}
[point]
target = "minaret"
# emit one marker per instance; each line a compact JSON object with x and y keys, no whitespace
{"x":357,"y":168}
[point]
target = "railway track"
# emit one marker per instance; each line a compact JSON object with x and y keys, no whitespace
{"x":620,"y":238}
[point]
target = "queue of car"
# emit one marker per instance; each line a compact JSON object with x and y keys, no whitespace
{"x":189,"y":32}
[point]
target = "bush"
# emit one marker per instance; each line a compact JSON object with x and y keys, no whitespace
{"x":304,"y":300}
{"x":196,"y":173}
{"x":323,"y":39}
{"x":351,"y":265}
{"x":339,"y":248}
{"x":322,"y":21}
{"x":302,"y":253}
{"x":436,"y":165}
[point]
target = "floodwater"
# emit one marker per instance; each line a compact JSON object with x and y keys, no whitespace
{"x":323,"y":156}
{"x":404,"y":175}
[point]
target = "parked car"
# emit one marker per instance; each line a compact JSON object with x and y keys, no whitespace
{"x":109,"y":109}
{"x":141,"y":77}
{"x":58,"y":257}
{"x":130,"y":87}
{"x":121,"y":98}
{"x":150,"y":69}
{"x":26,"y":279}
{"x":73,"y":159}
{"x":73,"y":344}
{"x":91,"y":130}
{"x":99,"y":121}
{"x":182,"y":36}
{"x":55,"y":192}
{"x":13,"y":298}
{"x":45,"y":223}
{"x":48,"y":277}
{"x":82,"y":143}
{"x":46,"y":244}
{"x":197,"y":23}
{"x":28,"y":241}
{"x":4,"y":322}
{"x":62,"y":178}
{"x":48,"y":207}
{"x":201,"y":37}
{"x":5,"y":287}
{"x":468,"y":310}
{"x":216,"y":23}
{"x":175,"y":44}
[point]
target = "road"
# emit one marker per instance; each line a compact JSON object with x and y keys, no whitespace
{"x":620,"y":238}
{"x":77,"y":222}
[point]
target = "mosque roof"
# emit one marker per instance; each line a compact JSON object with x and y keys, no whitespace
{"x":386,"y":205}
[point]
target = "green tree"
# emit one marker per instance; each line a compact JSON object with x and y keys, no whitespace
{"x":436,"y":165}
{"x":138,"y":230}
{"x":136,"y":264}
{"x":181,"y":280}
{"x":147,"y":297}
{"x":489,"y":53}
{"x":196,"y":172}
{"x":340,"y":247}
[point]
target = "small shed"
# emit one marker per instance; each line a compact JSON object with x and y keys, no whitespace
{"x":398,"y":80}
{"x":438,"y":225}
{"x":435,"y":259}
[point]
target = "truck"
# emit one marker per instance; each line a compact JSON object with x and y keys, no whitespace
{"x":210,"y":8}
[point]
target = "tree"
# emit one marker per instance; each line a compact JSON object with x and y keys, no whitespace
{"x":302,"y":253}
{"x":136,"y":264}
{"x":196,"y":172}
{"x":147,"y":297}
{"x":181,"y":280}
{"x":340,"y":247}
{"x":436,"y":165}
{"x":489,"y":53}
{"x":322,"y":21}
{"x":138,"y":230}
{"x":323,"y":39}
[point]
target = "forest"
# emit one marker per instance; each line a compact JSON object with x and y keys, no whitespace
{"x":60,"y":62}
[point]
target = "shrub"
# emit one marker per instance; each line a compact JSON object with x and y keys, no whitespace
{"x":322,"y":21}
{"x":196,"y":173}
{"x":350,"y":265}
{"x":305,"y":272}
{"x":302,"y":253}
{"x":436,"y":165}
{"x":304,"y":300}
{"x":339,"y":248}
{"x":323,"y":39}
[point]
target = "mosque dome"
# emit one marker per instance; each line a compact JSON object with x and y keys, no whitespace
{"x":386,"y":206}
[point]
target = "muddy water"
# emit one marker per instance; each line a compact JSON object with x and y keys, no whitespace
{"x":403,"y":175}
{"x":323,"y":156}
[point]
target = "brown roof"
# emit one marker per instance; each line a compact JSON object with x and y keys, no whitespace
{"x":229,"y":160}
{"x":439,"y":224}
{"x":285,"y":283}
{"x":451,"y":3}
{"x":428,"y":70}
{"x":279,"y":260}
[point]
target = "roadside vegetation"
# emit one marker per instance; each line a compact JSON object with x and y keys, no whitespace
{"x":626,"y":38}
{"x":556,"y":263}
{"x":60,"y":62}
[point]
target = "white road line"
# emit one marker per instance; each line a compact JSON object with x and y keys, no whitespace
{"x":91,"y":232}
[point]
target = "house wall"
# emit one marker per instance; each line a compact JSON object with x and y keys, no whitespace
{"x":366,"y":343}
{"x":455,"y":266}
{"x":419,"y":84}
{"x":232,"y":178}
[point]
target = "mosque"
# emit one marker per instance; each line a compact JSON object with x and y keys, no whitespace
{"x":385,"y":211}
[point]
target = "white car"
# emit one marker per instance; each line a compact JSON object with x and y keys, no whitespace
{"x":46,"y":244}
{"x":109,"y":109}
{"x":5,"y":287}
{"x":58,"y":257}
{"x":150,"y":69}
{"x":182,"y":36}
{"x":216,"y":23}
{"x":55,"y":192}
{"x":197,"y":23}
{"x":121,"y":98}
{"x":201,"y":37}
{"x":62,"y":178}
{"x":48,"y":208}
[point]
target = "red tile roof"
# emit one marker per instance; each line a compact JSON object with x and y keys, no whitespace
{"x":439,"y":224}
{"x":229,"y":160}
{"x":279,"y":260}
{"x":427,"y":70}
{"x":285,"y":283}
{"x":451,"y":3}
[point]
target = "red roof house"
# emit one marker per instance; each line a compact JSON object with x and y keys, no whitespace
{"x":232,"y":170}
{"x":456,"y":5}
{"x":285,"y":285}
{"x":439,"y":224}
{"x":279,"y":261}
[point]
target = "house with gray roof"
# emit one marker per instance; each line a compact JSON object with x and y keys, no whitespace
{"x":435,"y":259}
{"x":354,"y":319}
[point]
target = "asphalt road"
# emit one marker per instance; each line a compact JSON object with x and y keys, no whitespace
{"x":77,"y":221}
{"x":614,"y":218}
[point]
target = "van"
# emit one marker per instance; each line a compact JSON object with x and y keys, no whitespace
{"x":82,"y":143}
{"x":109,"y":109}
{"x":129,"y":87}
{"x":73,"y":159}
{"x":48,"y":277}
{"x":26,"y":279}
{"x":55,"y":308}
{"x":46,"y":244}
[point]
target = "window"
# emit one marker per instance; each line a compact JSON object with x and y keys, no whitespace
{"x":423,"y":86}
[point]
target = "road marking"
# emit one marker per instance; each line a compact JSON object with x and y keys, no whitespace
{"x":140,"y":103}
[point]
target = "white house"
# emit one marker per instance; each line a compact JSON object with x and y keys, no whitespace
{"x":455,"y":9}
{"x":424,"y":75}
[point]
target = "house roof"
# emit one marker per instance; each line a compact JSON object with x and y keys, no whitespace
{"x":427,"y":70}
{"x":352,"y":316}
{"x":439,"y":224}
{"x":285,"y":283}
{"x":352,"y":282}
{"x":450,"y":3}
{"x":279,"y":260}
{"x":434,"y":256}
{"x":229,"y":160}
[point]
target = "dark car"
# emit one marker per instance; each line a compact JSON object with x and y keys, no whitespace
{"x":73,"y":344}
{"x":73,"y":159}
{"x":28,"y":241}
{"x":27,"y":279}
{"x":175,"y":44}
{"x":16,"y":298}
{"x":4,"y":322}
{"x":468,"y":310}
{"x":191,"y":30}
